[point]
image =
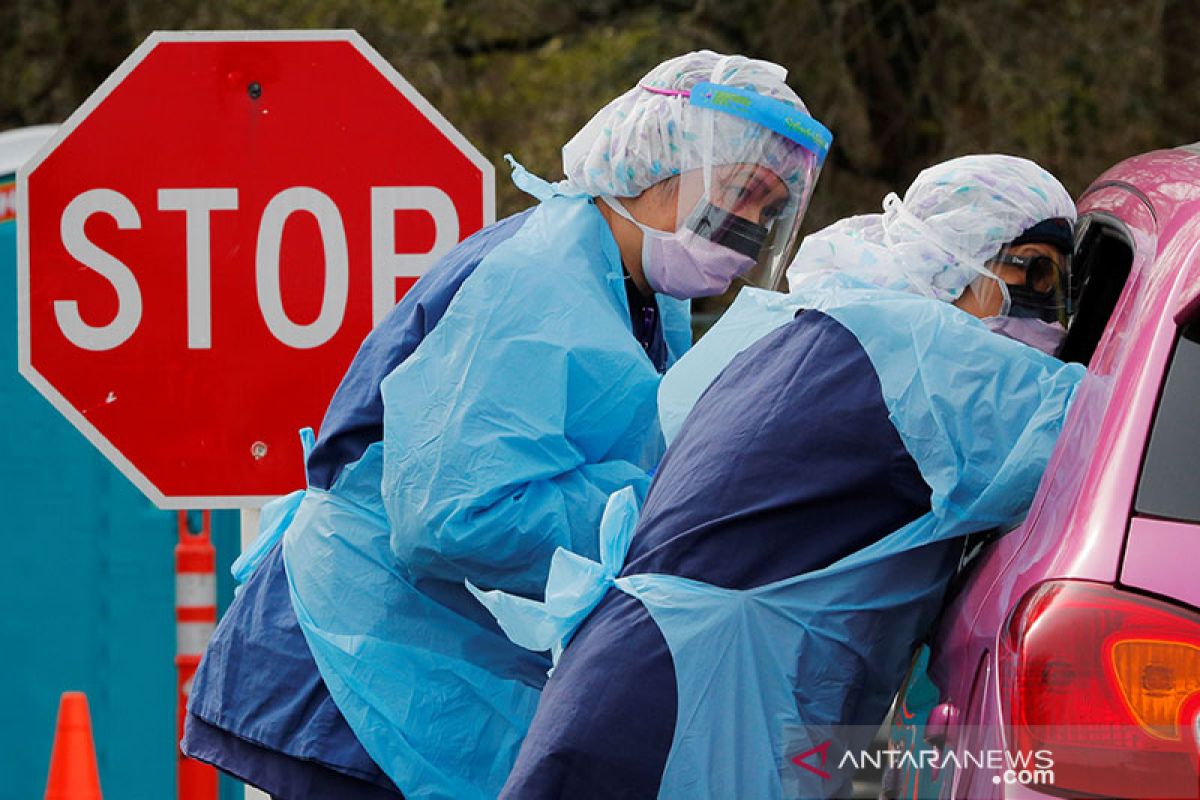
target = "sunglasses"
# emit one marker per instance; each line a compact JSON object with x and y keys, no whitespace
{"x":1042,"y":273}
{"x":1044,"y":293}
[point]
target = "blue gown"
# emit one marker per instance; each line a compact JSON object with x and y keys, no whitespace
{"x":258,"y":708}
{"x":479,"y":337}
{"x":793,"y":547}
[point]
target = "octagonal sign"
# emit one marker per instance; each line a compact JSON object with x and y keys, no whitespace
{"x":204,"y":244}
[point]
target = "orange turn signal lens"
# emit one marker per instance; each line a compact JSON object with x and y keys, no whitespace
{"x":1157,"y":680}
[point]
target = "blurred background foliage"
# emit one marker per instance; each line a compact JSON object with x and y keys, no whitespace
{"x":1077,"y":85}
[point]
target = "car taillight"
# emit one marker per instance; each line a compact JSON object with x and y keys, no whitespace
{"x":1108,"y":684}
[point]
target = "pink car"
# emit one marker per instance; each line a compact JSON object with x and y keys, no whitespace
{"x":1067,"y":661}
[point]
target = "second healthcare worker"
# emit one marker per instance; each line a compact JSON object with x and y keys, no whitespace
{"x":482,"y":426}
{"x":838,"y":443}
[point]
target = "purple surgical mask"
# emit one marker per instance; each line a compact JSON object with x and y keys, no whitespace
{"x":684,"y":264}
{"x":1040,"y":335}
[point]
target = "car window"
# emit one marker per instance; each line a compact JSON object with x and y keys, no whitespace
{"x":1170,"y":483}
{"x":1103,"y":259}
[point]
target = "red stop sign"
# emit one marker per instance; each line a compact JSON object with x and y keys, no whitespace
{"x":207,"y":240}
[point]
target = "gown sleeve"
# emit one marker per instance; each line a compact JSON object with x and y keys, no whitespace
{"x":979,"y":413}
{"x":510,"y":425}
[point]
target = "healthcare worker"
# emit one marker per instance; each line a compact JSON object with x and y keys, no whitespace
{"x":758,"y":619}
{"x":481,"y":427}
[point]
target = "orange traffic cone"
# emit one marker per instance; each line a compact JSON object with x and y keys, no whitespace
{"x":73,"y":773}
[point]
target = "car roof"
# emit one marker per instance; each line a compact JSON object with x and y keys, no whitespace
{"x":1168,"y":181}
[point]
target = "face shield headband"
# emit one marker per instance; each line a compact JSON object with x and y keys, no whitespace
{"x":774,"y":115}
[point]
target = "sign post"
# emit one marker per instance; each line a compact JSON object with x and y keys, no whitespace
{"x":204,"y":244}
{"x":195,"y":618}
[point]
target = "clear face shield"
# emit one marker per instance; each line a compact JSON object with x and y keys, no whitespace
{"x":749,"y":209}
{"x":738,"y":213}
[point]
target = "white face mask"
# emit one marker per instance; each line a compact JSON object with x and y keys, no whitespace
{"x":684,"y":264}
{"x":1044,"y":336}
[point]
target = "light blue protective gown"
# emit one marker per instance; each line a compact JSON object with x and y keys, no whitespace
{"x":504,"y":433}
{"x":764,"y":674}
